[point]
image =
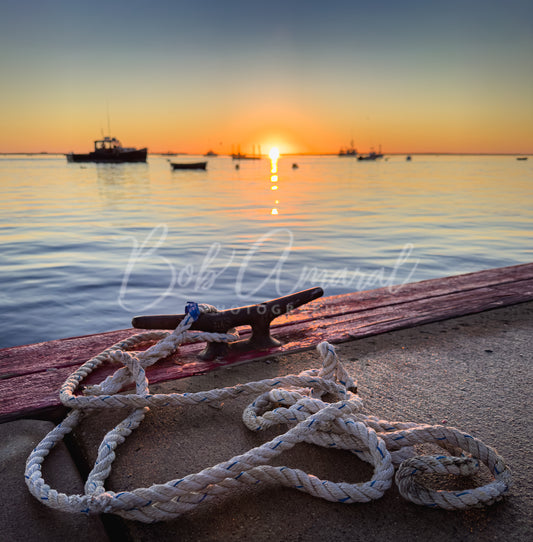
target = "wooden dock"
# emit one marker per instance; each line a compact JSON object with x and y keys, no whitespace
{"x":31,"y":375}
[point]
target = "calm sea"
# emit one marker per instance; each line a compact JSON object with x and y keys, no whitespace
{"x":86,"y":247}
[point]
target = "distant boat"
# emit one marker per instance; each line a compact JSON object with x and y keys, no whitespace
{"x":371,"y":155}
{"x":408,"y":158}
{"x":349,"y":151}
{"x":109,"y":150}
{"x":188,"y":165}
{"x":210,"y":153}
{"x":239,"y":156}
{"x":521,"y":158}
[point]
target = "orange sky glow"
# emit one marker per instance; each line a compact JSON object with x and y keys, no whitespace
{"x":443,"y":79}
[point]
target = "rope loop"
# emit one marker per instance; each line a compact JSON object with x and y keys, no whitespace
{"x":318,"y":406}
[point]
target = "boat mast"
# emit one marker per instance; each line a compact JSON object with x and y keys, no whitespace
{"x":108,"y":121}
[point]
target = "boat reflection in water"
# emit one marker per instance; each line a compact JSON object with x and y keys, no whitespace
{"x":109,"y":150}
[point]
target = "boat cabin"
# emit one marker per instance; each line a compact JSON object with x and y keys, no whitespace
{"x":108,"y":144}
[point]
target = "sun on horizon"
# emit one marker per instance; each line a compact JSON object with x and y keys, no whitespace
{"x":273,"y":153}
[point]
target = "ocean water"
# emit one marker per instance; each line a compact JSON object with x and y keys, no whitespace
{"x":85,"y":247}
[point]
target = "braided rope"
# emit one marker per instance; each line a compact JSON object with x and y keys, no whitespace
{"x":293,"y":400}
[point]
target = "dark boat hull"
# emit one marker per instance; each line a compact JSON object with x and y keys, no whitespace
{"x":138,"y":155}
{"x":190,"y":165}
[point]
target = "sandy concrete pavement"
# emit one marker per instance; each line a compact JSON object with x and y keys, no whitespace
{"x":473,"y":373}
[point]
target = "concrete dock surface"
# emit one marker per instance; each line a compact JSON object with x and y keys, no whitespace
{"x":473,"y":373}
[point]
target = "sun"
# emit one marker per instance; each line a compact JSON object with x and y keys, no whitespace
{"x":274,"y":153}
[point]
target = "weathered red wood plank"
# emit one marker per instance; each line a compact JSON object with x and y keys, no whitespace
{"x":335,"y":319}
{"x":71,"y":352}
{"x":424,"y":289}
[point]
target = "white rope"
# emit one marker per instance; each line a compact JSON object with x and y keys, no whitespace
{"x":293,"y":400}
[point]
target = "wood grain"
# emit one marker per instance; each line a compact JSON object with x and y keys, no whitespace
{"x":31,"y":375}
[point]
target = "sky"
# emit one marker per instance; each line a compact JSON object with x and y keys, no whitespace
{"x":305,"y":76}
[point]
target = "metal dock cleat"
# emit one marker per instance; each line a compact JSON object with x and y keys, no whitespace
{"x":258,"y":317}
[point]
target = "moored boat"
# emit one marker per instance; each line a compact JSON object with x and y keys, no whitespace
{"x":188,"y":165}
{"x":349,"y":151}
{"x":372,"y":155}
{"x":239,"y":156}
{"x":109,"y":150}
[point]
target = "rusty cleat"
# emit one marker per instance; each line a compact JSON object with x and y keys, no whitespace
{"x":258,"y":317}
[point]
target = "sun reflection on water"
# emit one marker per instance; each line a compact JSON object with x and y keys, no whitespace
{"x":274,"y":156}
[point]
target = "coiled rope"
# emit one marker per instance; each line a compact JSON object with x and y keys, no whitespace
{"x":293,"y":400}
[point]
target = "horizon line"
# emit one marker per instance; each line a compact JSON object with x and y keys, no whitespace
{"x":265,"y":155}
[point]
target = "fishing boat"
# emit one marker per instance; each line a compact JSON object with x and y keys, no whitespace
{"x":349,"y":151}
{"x":109,"y":150}
{"x":188,"y":165}
{"x":372,"y":155}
